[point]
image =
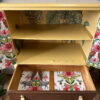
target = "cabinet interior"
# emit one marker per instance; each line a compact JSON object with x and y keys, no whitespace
{"x":19,"y":23}
{"x":64,"y":44}
{"x":76,"y":39}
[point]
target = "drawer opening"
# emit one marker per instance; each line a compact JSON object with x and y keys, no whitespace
{"x":51,"y":68}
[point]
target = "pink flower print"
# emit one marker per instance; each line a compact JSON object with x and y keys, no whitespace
{"x":98,"y":30}
{"x":30,"y":88}
{"x":28,"y":78}
{"x":93,"y":48}
{"x":45,"y":77}
{"x":4,"y":33}
{"x":66,"y":88}
{"x":0,"y":49}
{"x":76,"y":88}
{"x":5,"y":22}
{"x":96,"y":48}
{"x":39,"y":88}
{"x":68,"y":74}
{"x":94,"y":60}
{"x":7,"y":46}
{"x":8,"y":64}
{"x":93,"y":52}
{"x":1,"y":15}
{"x":99,"y":55}
{"x":35,"y":88}
{"x":37,"y":77}
{"x":96,"y":35}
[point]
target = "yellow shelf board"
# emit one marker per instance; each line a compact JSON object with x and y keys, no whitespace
{"x":52,"y":32}
{"x":52,"y":54}
{"x":50,"y":6}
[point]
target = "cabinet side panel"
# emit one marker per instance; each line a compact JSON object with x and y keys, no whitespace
{"x":92,"y":18}
{"x":86,"y":47}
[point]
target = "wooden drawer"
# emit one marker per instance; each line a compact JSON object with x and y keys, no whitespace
{"x":15,"y":94}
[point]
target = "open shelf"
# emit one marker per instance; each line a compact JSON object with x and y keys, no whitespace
{"x":52,"y":53}
{"x":52,"y":32}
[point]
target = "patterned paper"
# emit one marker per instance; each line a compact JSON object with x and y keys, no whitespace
{"x":68,"y":81}
{"x":94,"y":57}
{"x":26,"y":77}
{"x":34,"y":81}
{"x":54,"y":17}
{"x":7,"y":57}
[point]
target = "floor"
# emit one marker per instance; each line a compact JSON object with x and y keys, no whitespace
{"x":95,"y":77}
{"x":98,"y":92}
{"x":6,"y":97}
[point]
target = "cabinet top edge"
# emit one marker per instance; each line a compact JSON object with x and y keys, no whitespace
{"x":48,"y":6}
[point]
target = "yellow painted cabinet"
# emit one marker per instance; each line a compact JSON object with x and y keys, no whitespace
{"x":47,"y":47}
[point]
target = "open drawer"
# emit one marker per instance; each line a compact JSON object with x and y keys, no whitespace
{"x":15,"y":94}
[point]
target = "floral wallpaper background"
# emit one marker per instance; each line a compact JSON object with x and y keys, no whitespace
{"x":94,"y":57}
{"x":7,"y":57}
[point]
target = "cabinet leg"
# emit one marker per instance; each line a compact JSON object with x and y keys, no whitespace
{"x":80,"y":98}
{"x":22,"y":97}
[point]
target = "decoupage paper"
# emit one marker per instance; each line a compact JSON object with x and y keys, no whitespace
{"x":68,"y":81}
{"x":34,"y":81}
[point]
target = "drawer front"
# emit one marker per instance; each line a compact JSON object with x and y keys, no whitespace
{"x":82,"y":95}
{"x":15,"y":94}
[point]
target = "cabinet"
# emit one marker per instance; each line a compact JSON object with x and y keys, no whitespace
{"x":45,"y":47}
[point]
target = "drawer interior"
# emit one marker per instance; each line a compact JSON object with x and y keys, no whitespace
{"x":52,"y":68}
